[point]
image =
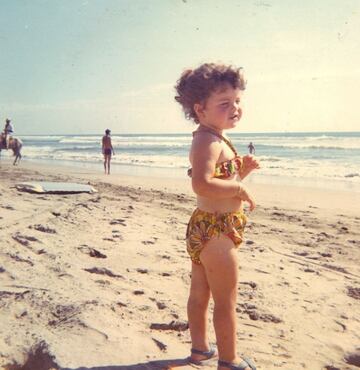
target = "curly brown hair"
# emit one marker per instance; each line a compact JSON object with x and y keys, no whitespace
{"x":196,"y":85}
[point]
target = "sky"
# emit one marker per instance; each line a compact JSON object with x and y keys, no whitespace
{"x":81,"y":66}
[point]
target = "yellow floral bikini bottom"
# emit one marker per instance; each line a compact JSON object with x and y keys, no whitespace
{"x":205,"y":225}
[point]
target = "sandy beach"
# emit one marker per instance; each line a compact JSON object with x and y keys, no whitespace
{"x":100,"y":281}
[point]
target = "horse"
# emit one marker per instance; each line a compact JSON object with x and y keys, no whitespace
{"x":15,"y":144}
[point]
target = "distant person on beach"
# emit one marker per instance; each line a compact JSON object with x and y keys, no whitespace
{"x":107,"y":150}
{"x":251,"y":148}
{"x":8,"y":131}
{"x":211,"y":95}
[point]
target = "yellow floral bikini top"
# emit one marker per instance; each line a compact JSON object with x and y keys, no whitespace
{"x":226,"y":169}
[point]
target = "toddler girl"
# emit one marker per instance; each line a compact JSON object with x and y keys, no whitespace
{"x":211,"y":96}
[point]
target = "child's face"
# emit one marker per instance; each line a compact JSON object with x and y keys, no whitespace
{"x":222,"y":109}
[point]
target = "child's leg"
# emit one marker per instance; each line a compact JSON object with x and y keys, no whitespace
{"x":197,"y":309}
{"x":219,"y":259}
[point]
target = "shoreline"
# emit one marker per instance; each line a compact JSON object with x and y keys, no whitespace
{"x":92,"y":277}
{"x":268,"y":193}
{"x":348,"y":183}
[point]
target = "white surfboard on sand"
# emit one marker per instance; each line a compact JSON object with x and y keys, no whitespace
{"x":41,"y":187}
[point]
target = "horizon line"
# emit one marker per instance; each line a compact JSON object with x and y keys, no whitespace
{"x":185,"y":133}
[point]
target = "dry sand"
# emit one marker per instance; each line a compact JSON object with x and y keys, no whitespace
{"x":100,"y":281}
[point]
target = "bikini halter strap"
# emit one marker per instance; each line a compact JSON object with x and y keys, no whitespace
{"x":224,"y":139}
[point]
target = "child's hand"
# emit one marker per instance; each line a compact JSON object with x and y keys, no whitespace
{"x":250,"y":163}
{"x":245,"y":196}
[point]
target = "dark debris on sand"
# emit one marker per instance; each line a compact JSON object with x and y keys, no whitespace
{"x":24,"y":239}
{"x":103,"y":271}
{"x":353,"y":358}
{"x":38,"y":358}
{"x":353,"y":292}
{"x":43,"y":229}
{"x":173,"y":325}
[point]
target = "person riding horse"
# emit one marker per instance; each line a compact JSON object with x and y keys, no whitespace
{"x":8,"y":131}
{"x":8,"y":141}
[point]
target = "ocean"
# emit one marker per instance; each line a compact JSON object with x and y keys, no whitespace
{"x":321,"y":159}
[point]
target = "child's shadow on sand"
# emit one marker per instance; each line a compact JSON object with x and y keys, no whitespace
{"x":152,"y":365}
